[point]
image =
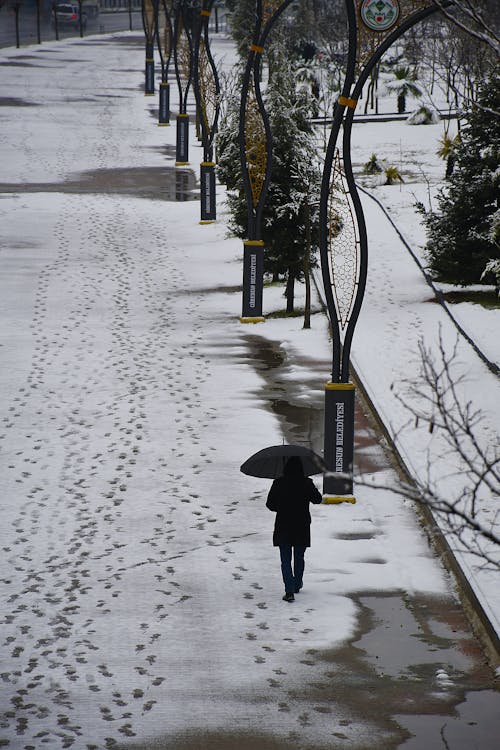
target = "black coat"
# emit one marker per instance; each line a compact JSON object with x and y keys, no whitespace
{"x":289,"y":497}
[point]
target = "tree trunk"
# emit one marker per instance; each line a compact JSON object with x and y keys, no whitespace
{"x":401,"y":103}
{"x":289,"y":291}
{"x":450,"y":165}
{"x":307,"y":267}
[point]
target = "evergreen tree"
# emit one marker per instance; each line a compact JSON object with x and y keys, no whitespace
{"x":242,"y":18}
{"x":461,"y":236}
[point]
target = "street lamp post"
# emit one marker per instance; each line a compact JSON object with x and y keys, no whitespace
{"x":183,"y":63}
{"x":164,"y":33}
{"x":373,"y":26}
{"x":148,"y":22}
{"x":256,"y":146}
{"x":207,"y":91}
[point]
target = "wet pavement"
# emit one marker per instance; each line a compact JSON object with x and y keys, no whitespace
{"x":414,"y":667}
{"x":152,"y":183}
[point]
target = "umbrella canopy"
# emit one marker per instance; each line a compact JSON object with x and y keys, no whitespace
{"x":270,"y":462}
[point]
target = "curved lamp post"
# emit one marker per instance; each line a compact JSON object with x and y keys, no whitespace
{"x":148,"y":22}
{"x":256,"y":146}
{"x":164,"y":34}
{"x":373,"y":26}
{"x":207,"y":91}
{"x":183,"y":62}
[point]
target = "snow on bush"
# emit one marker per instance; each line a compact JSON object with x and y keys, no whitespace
{"x":423,"y":116}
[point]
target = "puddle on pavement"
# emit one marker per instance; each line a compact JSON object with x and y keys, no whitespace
{"x":214,"y":740}
{"x":168,"y":150}
{"x":416,"y":667}
{"x":12,"y":101}
{"x":16,"y":64}
{"x":154,"y":183}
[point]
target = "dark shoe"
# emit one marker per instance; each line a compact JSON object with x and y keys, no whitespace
{"x":297,"y":589}
{"x":289,"y":597}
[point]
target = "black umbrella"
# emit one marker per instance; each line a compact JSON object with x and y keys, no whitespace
{"x":270,"y":462}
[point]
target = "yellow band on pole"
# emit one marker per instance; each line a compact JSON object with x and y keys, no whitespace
{"x":207,"y":164}
{"x":345,"y":101}
{"x":339,"y":387}
{"x":256,"y":48}
{"x":181,"y":114}
{"x":205,"y":13}
{"x":337,"y":499}
{"x":260,"y":243}
{"x":259,"y":319}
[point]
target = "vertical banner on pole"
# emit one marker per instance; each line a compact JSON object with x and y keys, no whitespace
{"x":207,"y":184}
{"x":164,"y":111}
{"x":150,"y":77}
{"x":253,"y":274}
{"x":339,"y":443}
{"x":182,"y":141}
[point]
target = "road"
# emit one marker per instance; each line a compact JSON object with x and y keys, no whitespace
{"x":107,"y":21}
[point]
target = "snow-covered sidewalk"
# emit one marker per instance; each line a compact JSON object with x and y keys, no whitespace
{"x":141,"y":596}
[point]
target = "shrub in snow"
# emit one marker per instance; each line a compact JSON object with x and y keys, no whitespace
{"x":423,"y":116}
{"x":491,"y":274}
{"x":372,"y":166}
{"x":448,"y":152}
{"x":392,"y":176}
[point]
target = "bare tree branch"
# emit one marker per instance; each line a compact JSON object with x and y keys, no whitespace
{"x":460,"y":482}
{"x":469,"y":11}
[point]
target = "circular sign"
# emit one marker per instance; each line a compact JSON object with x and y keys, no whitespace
{"x":379,"y":15}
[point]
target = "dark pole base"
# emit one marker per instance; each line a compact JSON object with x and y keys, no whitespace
{"x":253,"y":281}
{"x":207,"y":196}
{"x":182,"y":142}
{"x":339,"y":443}
{"x":164,"y":108}
{"x":149,"y":87}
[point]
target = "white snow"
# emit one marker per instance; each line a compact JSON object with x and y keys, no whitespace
{"x":134,"y":550}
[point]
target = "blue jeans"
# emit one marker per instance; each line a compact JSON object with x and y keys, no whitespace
{"x":292,"y":578}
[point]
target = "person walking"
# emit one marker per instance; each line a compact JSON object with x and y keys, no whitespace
{"x":289,"y":498}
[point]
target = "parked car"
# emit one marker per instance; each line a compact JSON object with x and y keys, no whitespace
{"x":68,"y":15}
